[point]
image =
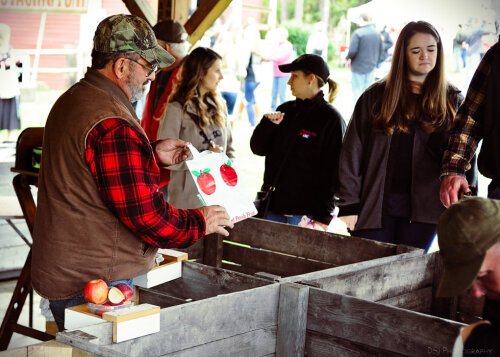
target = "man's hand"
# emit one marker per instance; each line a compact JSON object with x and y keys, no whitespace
{"x":350,"y":221}
{"x":275,"y":117}
{"x":216,"y":220}
{"x":172,"y":151}
{"x":450,"y":186}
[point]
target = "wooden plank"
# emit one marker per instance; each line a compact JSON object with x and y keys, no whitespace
{"x":419,"y":300}
{"x":308,"y":243}
{"x":260,"y":342}
{"x":383,"y":281}
{"x":195,"y":252}
{"x":271,"y":262}
{"x":314,"y":278}
{"x":200,"y":281}
{"x":189,"y":325}
{"x":159,"y":298}
{"x":292,"y":320}
{"x":204,"y":16}
{"x":212,"y":255}
{"x":320,"y":345}
{"x":442,"y":307}
{"x":142,"y":9}
{"x":379,"y":326}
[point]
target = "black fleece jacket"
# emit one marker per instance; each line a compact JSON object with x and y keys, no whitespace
{"x":312,"y":132}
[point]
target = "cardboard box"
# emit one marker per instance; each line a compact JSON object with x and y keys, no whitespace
{"x":169,"y":269}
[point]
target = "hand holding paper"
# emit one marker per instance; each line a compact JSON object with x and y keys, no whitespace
{"x":216,"y":219}
{"x":172,"y":151}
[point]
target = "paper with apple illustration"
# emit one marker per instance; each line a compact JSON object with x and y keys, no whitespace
{"x":219,"y":183}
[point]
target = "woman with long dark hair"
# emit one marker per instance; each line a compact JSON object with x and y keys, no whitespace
{"x":196,"y":113}
{"x":391,"y":156}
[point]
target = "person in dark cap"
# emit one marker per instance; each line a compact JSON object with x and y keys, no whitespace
{"x":301,"y":142}
{"x":469,"y":242}
{"x":99,"y":213}
{"x":171,"y":36}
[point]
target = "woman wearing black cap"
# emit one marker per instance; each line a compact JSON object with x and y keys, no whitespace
{"x":301,"y":142}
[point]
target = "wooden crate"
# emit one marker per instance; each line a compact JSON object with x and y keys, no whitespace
{"x":282,"y":319}
{"x":409,"y":283}
{"x":280,"y":251}
{"x":198,"y":282}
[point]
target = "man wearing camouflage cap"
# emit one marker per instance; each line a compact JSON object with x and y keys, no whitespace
{"x":469,"y":242}
{"x":99,"y":213}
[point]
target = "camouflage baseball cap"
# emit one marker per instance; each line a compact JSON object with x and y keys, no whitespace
{"x":466,"y":230}
{"x":129,"y":33}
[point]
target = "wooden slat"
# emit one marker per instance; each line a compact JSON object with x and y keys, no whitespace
{"x":200,"y":281}
{"x":204,"y":16}
{"x":270,"y":262}
{"x":314,"y":278}
{"x":212,"y":254}
{"x":260,"y":342}
{"x":292,"y":320}
{"x":307,"y":243}
{"x":442,"y":307}
{"x":321,"y":345}
{"x":191,"y":325}
{"x":379,"y":326}
{"x":419,"y":300}
{"x":142,"y":9}
{"x":383,"y":281}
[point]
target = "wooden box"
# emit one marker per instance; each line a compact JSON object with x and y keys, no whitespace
{"x":280,"y":252}
{"x":409,"y":283}
{"x":169,"y":269}
{"x":283,"y":319}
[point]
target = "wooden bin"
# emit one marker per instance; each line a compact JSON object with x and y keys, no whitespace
{"x":280,"y":251}
{"x":283,"y":319}
{"x":409,"y":283}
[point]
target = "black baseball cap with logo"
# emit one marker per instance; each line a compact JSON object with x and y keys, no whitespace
{"x":308,"y":62}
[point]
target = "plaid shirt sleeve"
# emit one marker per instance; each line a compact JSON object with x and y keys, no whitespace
{"x":125,"y":171}
{"x":466,"y":133}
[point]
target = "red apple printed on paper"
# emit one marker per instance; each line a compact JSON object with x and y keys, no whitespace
{"x":205,"y":181}
{"x":96,"y":291}
{"x":228,"y":174}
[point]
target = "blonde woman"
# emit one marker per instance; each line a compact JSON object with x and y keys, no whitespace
{"x":196,"y":113}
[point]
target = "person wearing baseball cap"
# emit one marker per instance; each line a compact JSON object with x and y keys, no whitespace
{"x":301,"y":142}
{"x":99,"y":212}
{"x":469,"y":242}
{"x":171,"y":36}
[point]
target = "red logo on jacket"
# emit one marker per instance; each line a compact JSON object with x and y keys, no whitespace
{"x":306,"y":134}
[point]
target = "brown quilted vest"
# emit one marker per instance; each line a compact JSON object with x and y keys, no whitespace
{"x":76,"y":237}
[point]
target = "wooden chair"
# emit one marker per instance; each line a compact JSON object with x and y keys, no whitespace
{"x":26,"y":178}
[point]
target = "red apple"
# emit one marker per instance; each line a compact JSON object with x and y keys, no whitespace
{"x":96,"y":291}
{"x":120,"y":294}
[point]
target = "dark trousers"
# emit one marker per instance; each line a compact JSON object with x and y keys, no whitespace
{"x":399,"y":230}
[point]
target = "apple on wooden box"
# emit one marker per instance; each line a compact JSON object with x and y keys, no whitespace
{"x":96,"y":291}
{"x":120,"y":294}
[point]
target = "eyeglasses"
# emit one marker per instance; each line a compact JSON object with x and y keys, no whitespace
{"x":148,"y":68}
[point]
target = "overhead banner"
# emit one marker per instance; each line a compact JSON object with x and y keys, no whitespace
{"x":62,"y":6}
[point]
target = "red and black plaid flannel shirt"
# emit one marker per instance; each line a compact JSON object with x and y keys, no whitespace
{"x":466,"y":134}
{"x":125,"y":171}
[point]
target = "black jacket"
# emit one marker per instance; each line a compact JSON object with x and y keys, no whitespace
{"x":363,"y":167}
{"x":312,"y":130}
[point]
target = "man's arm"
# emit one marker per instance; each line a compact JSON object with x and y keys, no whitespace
{"x":126,"y":174}
{"x":465,"y":135}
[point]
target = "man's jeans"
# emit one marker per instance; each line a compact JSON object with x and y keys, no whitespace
{"x":58,"y":306}
{"x":278,"y":90}
{"x":359,"y":82}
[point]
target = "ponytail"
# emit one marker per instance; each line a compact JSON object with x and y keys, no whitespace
{"x":333,"y":89}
